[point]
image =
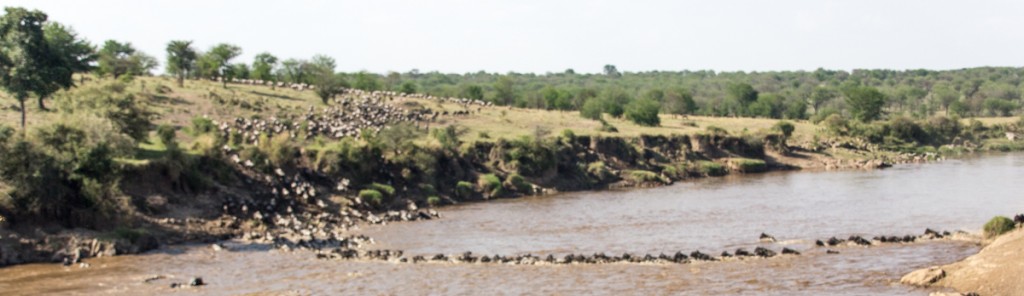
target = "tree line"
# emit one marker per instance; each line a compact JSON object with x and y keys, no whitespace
{"x":40,"y":57}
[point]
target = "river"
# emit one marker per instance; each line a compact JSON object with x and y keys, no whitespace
{"x":711,"y":215}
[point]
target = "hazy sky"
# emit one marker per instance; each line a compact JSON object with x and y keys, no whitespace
{"x":551,"y":36}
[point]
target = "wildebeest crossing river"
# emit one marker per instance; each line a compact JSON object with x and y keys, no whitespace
{"x":710,"y":215}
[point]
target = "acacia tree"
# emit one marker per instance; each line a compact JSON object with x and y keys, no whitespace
{"x":328,"y":84}
{"x":181,"y":58}
{"x":76,"y":54}
{"x":217,"y":62}
{"x":865,"y":102}
{"x":23,"y":54}
{"x":263,"y":67}
{"x":115,"y":58}
{"x":65,"y":55}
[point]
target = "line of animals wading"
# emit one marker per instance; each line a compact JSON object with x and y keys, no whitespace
{"x":680,"y":257}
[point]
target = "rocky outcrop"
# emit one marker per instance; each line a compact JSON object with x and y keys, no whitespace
{"x":923,"y":277}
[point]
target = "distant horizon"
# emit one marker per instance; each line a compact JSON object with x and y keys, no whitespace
{"x":462,"y":36}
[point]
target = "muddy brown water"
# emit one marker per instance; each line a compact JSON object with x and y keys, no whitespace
{"x":711,"y":215}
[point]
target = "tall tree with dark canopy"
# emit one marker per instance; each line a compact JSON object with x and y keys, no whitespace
{"x":115,"y":58}
{"x":865,"y":102}
{"x":66,"y":55}
{"x":263,"y":67}
{"x":218,"y":61}
{"x":77,"y":54}
{"x":181,"y":59}
{"x":328,"y":84}
{"x":23,"y":53}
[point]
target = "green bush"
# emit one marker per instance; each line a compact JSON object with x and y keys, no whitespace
{"x":643,"y":112}
{"x":998,"y":226}
{"x":464,"y":189}
{"x":371,"y":196}
{"x":490,"y":185}
{"x":598,"y":170}
{"x":642,"y":176}
{"x":716,"y":131}
{"x":166,"y":135}
{"x":710,"y":168}
{"x":785,"y":128}
{"x":280,"y":149}
{"x":607,"y":127}
{"x":382,"y":188}
{"x":592,"y":109}
{"x":433,"y":200}
{"x":518,"y":183}
{"x":747,"y":165}
{"x":202,"y":125}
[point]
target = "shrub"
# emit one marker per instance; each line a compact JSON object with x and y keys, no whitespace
{"x":433,"y":200}
{"x":607,"y":127}
{"x":568,"y":136}
{"x":202,"y":125}
{"x":599,"y":171}
{"x":464,"y":189}
{"x":785,"y":128}
{"x":836,"y":125}
{"x":642,"y":176}
{"x":518,"y":183}
{"x":592,"y":109}
{"x":371,"y":196}
{"x":710,"y":168}
{"x":716,"y":131}
{"x":166,"y":135}
{"x":643,"y":112}
{"x":490,"y":185}
{"x":382,"y":188}
{"x":747,"y":165}
{"x":997,"y":226}
{"x":672,"y":171}
{"x":280,"y":149}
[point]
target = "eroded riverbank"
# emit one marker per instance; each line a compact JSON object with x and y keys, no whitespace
{"x":711,"y":215}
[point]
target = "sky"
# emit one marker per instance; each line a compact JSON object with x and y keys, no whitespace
{"x":461,"y":36}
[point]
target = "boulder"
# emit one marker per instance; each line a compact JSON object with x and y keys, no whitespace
{"x":923,"y":277}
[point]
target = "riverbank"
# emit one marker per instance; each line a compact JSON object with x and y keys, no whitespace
{"x":261,"y":162}
{"x":995,"y":270}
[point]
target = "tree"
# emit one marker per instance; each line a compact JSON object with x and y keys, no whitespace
{"x":181,"y":58}
{"x":865,"y":102}
{"x":644,"y":112}
{"x":743,"y":94}
{"x":505,"y":89}
{"x":66,"y":54}
{"x":474,"y":92}
{"x":611,"y":71}
{"x":117,"y":59}
{"x":23,"y":53}
{"x":820,"y":96}
{"x":75,"y":53}
{"x":679,"y":101}
{"x":944,"y":95}
{"x":367,"y":81}
{"x":328,"y":84}
{"x":263,"y":67}
{"x":795,"y":109}
{"x":294,"y":70}
{"x":615,"y":99}
{"x":592,"y":109}
{"x":219,"y":61}
{"x":408,"y":87}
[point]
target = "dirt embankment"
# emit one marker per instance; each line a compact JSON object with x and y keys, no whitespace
{"x":998,"y":269}
{"x":167,"y":212}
